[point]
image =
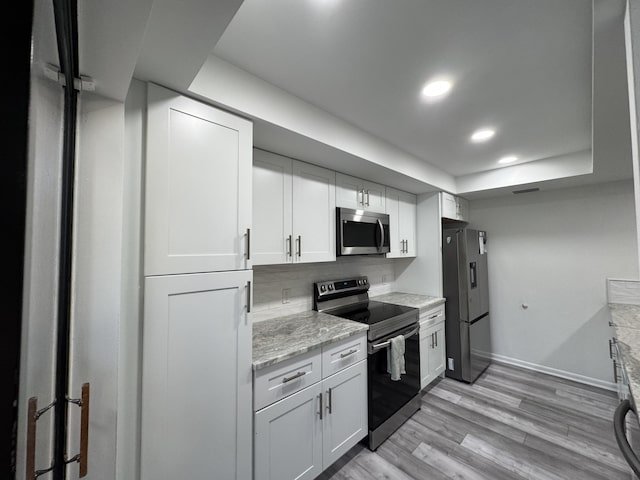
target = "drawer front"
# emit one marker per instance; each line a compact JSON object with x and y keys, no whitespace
{"x":283,"y":379}
{"x":345,"y":353}
{"x":432,"y":317}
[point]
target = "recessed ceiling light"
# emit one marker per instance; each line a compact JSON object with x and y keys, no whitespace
{"x":436,"y":89}
{"x":508,"y":159}
{"x":482,"y":135}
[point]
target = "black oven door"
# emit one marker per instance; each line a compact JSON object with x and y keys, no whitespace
{"x":386,"y":396}
{"x":361,"y":233}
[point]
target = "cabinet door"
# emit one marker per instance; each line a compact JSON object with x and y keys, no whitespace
{"x":349,"y":192}
{"x":314,"y":213}
{"x":462,"y":211}
{"x":374,"y":196}
{"x":271,"y":235}
{"x":449,"y":206}
{"x":345,"y":422}
{"x":288,"y":438}
{"x":392,"y":206}
{"x":437,"y":353}
{"x":196,"y":377}
{"x":426,"y":340}
{"x":198,"y":186}
{"x":407,"y":222}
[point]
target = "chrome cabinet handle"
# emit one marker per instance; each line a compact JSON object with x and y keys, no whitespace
{"x":610,"y":349}
{"x":249,"y":297}
{"x":290,"y":246}
{"x":329,"y":402}
{"x":361,"y":191}
{"x":436,"y":334}
{"x":299,"y":243}
{"x":435,"y":315}
{"x":350,"y":352}
{"x":248,"y":244}
{"x":406,"y":246}
{"x":367,"y":198}
{"x":433,"y":344}
{"x":320,"y":405}
{"x":293,"y":377}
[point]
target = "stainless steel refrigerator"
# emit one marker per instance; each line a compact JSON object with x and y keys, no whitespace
{"x":465,"y":282}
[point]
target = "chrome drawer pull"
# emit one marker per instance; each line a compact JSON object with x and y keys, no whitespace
{"x":435,"y":315}
{"x":350,"y":352}
{"x":293,"y":377}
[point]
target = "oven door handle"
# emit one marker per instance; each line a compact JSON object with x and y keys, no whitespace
{"x":378,"y":346}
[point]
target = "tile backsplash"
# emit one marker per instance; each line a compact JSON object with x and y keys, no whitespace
{"x":623,"y":291}
{"x":293,"y":283}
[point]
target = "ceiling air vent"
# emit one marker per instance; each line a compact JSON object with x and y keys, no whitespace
{"x":526,"y":190}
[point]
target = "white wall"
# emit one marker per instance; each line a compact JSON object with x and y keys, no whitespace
{"x":270,"y":280}
{"x":553,"y":250}
{"x":97,"y":271}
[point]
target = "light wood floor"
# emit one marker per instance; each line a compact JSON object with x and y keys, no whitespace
{"x":510,"y":424}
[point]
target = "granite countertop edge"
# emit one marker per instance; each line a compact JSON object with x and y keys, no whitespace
{"x":306,"y":331}
{"x":260,"y":364}
{"x":625,"y":320}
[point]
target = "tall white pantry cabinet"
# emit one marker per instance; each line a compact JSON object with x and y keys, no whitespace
{"x":196,"y":360}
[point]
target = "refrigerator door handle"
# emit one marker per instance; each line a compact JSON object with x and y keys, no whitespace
{"x":473,"y":277}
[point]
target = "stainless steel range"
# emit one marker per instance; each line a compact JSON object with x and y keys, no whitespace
{"x":390,"y":403}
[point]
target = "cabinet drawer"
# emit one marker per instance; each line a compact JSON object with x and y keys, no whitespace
{"x":433,"y":316}
{"x":283,"y":379}
{"x":337,"y":356}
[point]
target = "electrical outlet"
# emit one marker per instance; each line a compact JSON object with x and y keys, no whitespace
{"x":285,"y":295}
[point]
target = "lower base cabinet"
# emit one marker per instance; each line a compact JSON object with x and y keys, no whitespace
{"x":301,"y":435}
{"x":432,"y":349}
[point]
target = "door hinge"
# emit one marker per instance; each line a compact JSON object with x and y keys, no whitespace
{"x":84,"y":83}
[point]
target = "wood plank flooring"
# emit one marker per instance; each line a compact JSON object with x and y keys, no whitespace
{"x":510,"y":424}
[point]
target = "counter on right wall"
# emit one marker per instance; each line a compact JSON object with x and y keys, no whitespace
{"x":550,"y":253}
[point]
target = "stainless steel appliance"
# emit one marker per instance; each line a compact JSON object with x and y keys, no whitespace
{"x":465,"y":282}
{"x":359,"y":232}
{"x":390,"y":403}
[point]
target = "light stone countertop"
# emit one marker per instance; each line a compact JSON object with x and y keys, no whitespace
{"x":281,"y":338}
{"x":626,"y":324}
{"x":423,"y":302}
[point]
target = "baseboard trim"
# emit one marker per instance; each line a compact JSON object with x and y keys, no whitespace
{"x":554,"y":372}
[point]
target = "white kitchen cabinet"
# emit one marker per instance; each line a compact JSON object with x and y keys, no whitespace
{"x":196,"y":378}
{"x":309,"y":428}
{"x":345,"y":420}
{"x":293,"y":211}
{"x":453,"y":207}
{"x":288,"y":437}
{"x":401,"y":208}
{"x":198,"y":187}
{"x":359,"y":194}
{"x":432,"y":345}
{"x":272,"y":213}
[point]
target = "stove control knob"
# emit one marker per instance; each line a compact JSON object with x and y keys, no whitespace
{"x":365,"y":281}
{"x":330,"y":286}
{"x":359,"y":282}
{"x":323,"y":288}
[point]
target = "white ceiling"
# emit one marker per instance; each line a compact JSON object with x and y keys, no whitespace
{"x":521,"y":66}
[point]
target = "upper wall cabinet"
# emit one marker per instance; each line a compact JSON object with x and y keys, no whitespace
{"x":401,"y":208}
{"x":359,"y":194}
{"x":293,"y":211}
{"x":198,"y":187}
{"x":454,"y":208}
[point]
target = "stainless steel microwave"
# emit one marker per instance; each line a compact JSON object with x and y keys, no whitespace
{"x":359,"y":232}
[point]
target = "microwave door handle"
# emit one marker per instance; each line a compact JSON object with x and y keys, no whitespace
{"x":381,"y":234}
